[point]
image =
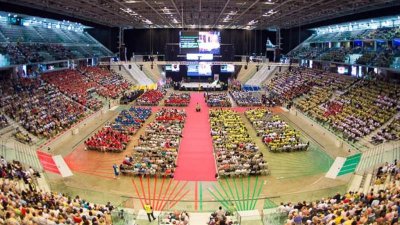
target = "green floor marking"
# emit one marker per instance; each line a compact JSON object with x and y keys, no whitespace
{"x":243,"y":197}
{"x":233,"y":196}
{"x":222,"y":197}
{"x":254,"y":191}
{"x":226,"y":193}
{"x":248,"y":192}
{"x":237,"y":195}
{"x":258,"y":195}
{"x":220,"y":201}
{"x":268,"y":204}
{"x":201,"y":196}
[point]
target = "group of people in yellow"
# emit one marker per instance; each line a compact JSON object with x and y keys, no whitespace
{"x":236,"y":153}
{"x":275,"y":132}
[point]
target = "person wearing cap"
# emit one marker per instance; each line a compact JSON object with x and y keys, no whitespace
{"x":149,"y":211}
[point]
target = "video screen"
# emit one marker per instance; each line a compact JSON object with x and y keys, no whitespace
{"x":209,"y":42}
{"x":199,"y":56}
{"x":201,"y":69}
{"x":168,"y":67}
{"x":199,"y":42}
{"x":229,"y":68}
{"x":342,"y":70}
{"x":189,"y":42}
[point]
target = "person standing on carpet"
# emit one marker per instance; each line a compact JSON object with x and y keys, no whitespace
{"x":149,"y":211}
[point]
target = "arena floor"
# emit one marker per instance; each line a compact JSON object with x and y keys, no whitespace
{"x":294,"y":176}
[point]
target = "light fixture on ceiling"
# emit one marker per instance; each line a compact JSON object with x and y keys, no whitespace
{"x":269,"y":2}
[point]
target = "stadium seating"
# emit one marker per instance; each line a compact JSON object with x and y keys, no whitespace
{"x":379,"y":206}
{"x":29,"y":205}
{"x":76,"y":86}
{"x":3,"y":121}
{"x":40,"y":108}
{"x":235,"y":152}
{"x":112,"y":85}
{"x":156,"y":153}
{"x":389,"y":133}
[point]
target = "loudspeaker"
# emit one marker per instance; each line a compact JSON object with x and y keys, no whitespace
{"x":280,"y":68}
{"x":151,"y":66}
{"x":130,"y":66}
{"x":269,"y":67}
{"x":257,"y":67}
{"x":119,"y":67}
{"x":245,"y":67}
{"x":141,"y":67}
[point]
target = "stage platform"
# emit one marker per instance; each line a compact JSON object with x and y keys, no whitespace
{"x":195,"y":86}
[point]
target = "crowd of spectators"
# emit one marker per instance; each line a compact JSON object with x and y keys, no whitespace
{"x":40,"y":108}
{"x":389,"y":133}
{"x":32,"y":206}
{"x":150,"y":98}
{"x":130,"y":96}
{"x":114,"y":137}
{"x":22,"y":137}
{"x":111,"y":85}
{"x":235,"y":152}
{"x":275,"y":132}
{"x":177,"y":99}
{"x":3,"y":121}
{"x":176,"y":217}
{"x":380,"y":206}
{"x":243,"y":98}
{"x":217,"y":99}
{"x":76,"y":86}
{"x":222,"y":217}
{"x":157,"y":149}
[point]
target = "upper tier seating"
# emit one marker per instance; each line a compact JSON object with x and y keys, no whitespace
{"x":32,"y":44}
{"x":40,"y":108}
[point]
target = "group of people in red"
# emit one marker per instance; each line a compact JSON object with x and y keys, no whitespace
{"x":112,"y":85}
{"x":150,"y":98}
{"x":177,"y":99}
{"x":108,"y":139}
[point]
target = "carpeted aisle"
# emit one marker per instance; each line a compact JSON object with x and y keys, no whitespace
{"x":195,"y":159}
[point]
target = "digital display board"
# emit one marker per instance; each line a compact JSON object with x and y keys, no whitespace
{"x":201,"y":69}
{"x":229,"y":68}
{"x":199,"y":42}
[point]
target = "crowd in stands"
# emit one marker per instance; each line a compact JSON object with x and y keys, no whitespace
{"x":130,"y":96}
{"x":366,"y":106}
{"x":176,"y":217}
{"x":111,"y":85}
{"x":76,"y":86}
{"x":3,"y":121}
{"x":40,"y":108}
{"x":33,"y":206}
{"x":378,"y":206}
{"x":157,"y":149}
{"x":221,"y":217}
{"x":177,"y":99}
{"x":21,"y":137}
{"x":217,"y":99}
{"x":150,"y":98}
{"x":115,"y":137}
{"x":275,"y":132}
{"x":235,"y":152}
{"x":389,"y":133}
{"x":243,"y":98}
{"x":24,"y":53}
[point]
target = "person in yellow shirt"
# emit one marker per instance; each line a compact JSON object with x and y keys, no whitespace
{"x":149,"y":210}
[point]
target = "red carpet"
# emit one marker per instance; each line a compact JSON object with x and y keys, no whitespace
{"x":195,"y":159}
{"x":47,"y":162}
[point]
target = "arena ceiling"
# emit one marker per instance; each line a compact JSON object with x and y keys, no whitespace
{"x":224,"y":14}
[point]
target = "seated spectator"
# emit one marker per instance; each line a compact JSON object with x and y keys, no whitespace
{"x":157,"y":149}
{"x":177,"y":99}
{"x":236,"y":154}
{"x":3,"y":121}
{"x":218,"y":100}
{"x":150,"y":98}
